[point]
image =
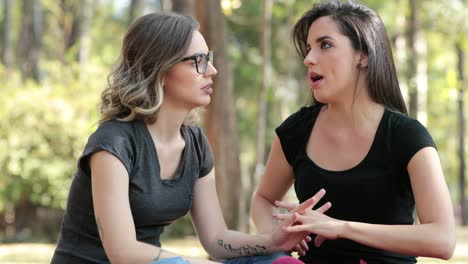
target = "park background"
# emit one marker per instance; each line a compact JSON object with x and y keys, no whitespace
{"x":56,"y":55}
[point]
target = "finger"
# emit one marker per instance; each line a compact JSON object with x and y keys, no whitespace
{"x":324,"y":208}
{"x":285,"y":205}
{"x":281,"y":216}
{"x":311,"y":202}
{"x":295,"y":228}
{"x":290,"y":220}
{"x":300,"y":250}
{"x":304,"y":245}
{"x":319,"y":240}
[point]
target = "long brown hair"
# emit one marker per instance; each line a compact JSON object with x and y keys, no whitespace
{"x":152,"y":45}
{"x":367,"y":33}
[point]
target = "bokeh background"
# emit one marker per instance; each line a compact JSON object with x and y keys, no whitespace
{"x":56,"y":55}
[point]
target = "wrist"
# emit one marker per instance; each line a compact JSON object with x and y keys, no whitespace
{"x":345,"y":229}
{"x":272,"y":245}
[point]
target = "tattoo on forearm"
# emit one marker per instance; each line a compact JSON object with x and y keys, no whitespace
{"x":99,"y":226}
{"x":244,"y":250}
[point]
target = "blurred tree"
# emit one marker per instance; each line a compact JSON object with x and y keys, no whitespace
{"x":79,"y":40}
{"x":220,"y":120}
{"x":183,"y":7}
{"x":30,"y":41}
{"x":448,"y":71}
{"x":135,"y":10}
{"x":6,"y":54}
{"x":461,"y":128}
{"x":261,"y":100}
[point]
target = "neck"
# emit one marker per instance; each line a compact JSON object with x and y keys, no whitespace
{"x":168,"y":123}
{"x":357,"y":111}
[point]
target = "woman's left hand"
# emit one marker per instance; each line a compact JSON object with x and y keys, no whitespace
{"x":312,"y":221}
{"x":296,"y":238}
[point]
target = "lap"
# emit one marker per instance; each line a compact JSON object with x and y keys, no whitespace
{"x":262,"y":259}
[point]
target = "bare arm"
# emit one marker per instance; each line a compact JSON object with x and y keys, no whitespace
{"x":276,"y":181}
{"x":222,"y":243}
{"x":433,"y":237}
{"x":113,"y":214}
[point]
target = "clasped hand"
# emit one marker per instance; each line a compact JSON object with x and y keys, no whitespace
{"x":301,"y":219}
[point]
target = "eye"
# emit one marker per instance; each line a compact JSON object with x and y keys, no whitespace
{"x":325,"y":45}
{"x":199,"y":58}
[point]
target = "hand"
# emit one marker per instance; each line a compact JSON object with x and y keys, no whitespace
{"x":314,"y":221}
{"x":287,"y":242}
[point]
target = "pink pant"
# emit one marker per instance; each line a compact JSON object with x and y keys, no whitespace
{"x":291,"y":260}
{"x":287,"y":260}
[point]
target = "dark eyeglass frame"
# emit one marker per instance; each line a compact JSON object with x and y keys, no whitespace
{"x":201,"y":69}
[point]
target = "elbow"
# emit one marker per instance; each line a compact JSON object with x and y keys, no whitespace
{"x":445,"y":248}
{"x":118,"y":257}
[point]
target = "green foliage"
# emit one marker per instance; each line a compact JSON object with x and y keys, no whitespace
{"x":43,"y":129}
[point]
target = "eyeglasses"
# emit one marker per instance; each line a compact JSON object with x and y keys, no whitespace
{"x":201,"y":61}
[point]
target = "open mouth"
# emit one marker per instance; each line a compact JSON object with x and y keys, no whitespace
{"x":315,"y":77}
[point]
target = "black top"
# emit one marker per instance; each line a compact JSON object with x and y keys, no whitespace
{"x":377,"y":190}
{"x":154,"y":202}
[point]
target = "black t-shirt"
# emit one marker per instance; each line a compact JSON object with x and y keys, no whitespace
{"x":377,"y":190}
{"x":154,"y":202}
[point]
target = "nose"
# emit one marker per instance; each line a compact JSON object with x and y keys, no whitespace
{"x":210,"y":70}
{"x":310,"y":58}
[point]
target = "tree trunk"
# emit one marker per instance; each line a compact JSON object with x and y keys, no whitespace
{"x":7,"y":56}
{"x":85,"y":36}
{"x":412,"y":60}
{"x":220,"y":121}
{"x":165,"y":5}
{"x":461,"y":131}
{"x":261,"y":100}
{"x":183,"y":7}
{"x":80,"y":34}
{"x":30,"y":43}
{"x":72,"y":35}
{"x":401,"y":57}
{"x":135,"y":10}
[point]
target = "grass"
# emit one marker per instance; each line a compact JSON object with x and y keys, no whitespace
{"x":30,"y":253}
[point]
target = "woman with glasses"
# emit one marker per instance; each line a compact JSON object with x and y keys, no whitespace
{"x":356,"y":146}
{"x":147,"y":164}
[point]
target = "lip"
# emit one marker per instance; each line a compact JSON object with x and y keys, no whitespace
{"x":315,"y":83}
{"x":208,"y":89}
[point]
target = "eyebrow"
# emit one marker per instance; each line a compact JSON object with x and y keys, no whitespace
{"x":199,"y":53}
{"x":323,"y":38}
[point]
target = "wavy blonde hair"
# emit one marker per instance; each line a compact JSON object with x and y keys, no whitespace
{"x":152,"y":45}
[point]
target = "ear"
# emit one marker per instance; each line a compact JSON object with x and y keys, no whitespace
{"x":362,"y":60}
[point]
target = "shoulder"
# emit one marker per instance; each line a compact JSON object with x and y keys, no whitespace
{"x":407,"y":136}
{"x":195,"y":133}
{"x":297,"y":119}
{"x":202,"y":149}
{"x":404,"y":126}
{"x":115,"y":130}
{"x":118,"y":138}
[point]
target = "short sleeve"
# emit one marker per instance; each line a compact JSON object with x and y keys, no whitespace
{"x":294,"y":131}
{"x":113,"y":137}
{"x":204,"y":152}
{"x":412,"y":136}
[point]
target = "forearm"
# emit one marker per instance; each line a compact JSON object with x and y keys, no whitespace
{"x":233,"y":244}
{"x":428,"y":240}
{"x":262,"y":214}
